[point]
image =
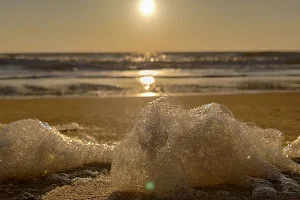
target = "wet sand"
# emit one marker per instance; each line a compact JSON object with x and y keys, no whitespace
{"x":273,"y":110}
{"x":115,"y":115}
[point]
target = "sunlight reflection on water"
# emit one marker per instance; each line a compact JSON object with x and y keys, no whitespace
{"x":148,"y":82}
{"x":148,"y":94}
{"x":148,"y":73}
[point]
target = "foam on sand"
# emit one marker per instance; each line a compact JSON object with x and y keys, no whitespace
{"x":170,"y":148}
{"x":31,"y":148}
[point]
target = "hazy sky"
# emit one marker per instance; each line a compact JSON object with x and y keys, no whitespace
{"x":175,"y":25}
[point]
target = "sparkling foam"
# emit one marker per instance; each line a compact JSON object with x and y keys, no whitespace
{"x":171,"y":148}
{"x":30,"y":148}
{"x":293,"y":149}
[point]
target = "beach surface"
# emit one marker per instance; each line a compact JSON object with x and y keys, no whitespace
{"x":113,"y":118}
{"x":116,"y":114}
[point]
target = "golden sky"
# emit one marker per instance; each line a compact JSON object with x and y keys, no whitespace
{"x":174,"y":25}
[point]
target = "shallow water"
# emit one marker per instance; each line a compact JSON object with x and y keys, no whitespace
{"x":145,"y":86}
{"x":130,"y":74}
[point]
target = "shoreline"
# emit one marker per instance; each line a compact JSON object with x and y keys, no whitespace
{"x":152,"y":94}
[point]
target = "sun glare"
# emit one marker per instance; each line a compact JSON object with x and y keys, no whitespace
{"x":147,"y":7}
{"x":147,"y":80}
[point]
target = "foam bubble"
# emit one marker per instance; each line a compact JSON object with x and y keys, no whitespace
{"x":176,"y":148}
{"x":30,"y":148}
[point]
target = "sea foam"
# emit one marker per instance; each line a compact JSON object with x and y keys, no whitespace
{"x":170,"y":148}
{"x":31,"y":148}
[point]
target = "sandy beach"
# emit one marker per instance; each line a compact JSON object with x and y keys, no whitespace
{"x":269,"y":110}
{"x":116,"y":115}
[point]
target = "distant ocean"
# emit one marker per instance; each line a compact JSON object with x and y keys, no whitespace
{"x":147,"y":74}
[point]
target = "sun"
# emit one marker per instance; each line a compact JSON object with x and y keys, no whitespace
{"x":147,"y":7}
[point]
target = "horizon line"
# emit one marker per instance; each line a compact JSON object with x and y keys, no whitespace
{"x":139,"y":52}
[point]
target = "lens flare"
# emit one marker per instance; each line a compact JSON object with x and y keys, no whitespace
{"x":150,"y":186}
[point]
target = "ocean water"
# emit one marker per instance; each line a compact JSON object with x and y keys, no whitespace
{"x":147,"y":74}
{"x":170,"y":153}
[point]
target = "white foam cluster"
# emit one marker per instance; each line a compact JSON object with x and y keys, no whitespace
{"x":292,"y":150}
{"x":170,"y":147}
{"x":30,"y":148}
